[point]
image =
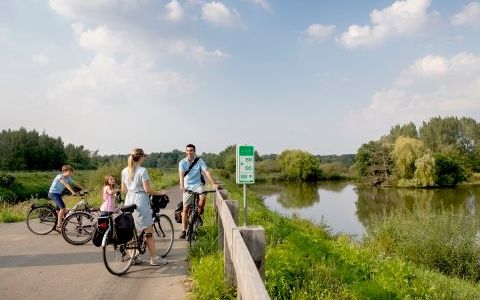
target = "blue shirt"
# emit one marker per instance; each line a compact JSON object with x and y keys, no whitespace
{"x":192,"y":179}
{"x":57,"y":186}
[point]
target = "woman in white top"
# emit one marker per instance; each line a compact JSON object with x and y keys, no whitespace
{"x":136,"y":183}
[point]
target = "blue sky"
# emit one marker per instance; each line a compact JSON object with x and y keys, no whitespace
{"x":322,"y":76}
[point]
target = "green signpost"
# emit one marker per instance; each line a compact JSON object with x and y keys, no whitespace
{"x":245,"y":164}
{"x":245,"y":172}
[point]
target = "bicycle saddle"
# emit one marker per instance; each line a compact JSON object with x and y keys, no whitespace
{"x":129,"y":208}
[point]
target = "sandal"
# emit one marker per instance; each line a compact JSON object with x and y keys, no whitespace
{"x":58,"y":229}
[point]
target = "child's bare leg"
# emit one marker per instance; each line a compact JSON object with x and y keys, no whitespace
{"x":61,"y":214}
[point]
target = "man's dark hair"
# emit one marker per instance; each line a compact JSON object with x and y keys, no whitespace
{"x":191,"y":146}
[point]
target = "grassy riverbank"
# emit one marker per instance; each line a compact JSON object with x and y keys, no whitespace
{"x":304,"y":261}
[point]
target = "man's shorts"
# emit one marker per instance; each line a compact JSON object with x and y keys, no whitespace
{"x":188,"y":198}
{"x":57,"y":198}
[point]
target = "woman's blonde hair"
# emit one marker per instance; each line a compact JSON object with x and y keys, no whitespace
{"x":134,"y":157}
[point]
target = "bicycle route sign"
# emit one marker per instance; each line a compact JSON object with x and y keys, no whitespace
{"x":245,"y":164}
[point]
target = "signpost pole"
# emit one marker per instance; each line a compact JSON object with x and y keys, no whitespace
{"x":245,"y":205}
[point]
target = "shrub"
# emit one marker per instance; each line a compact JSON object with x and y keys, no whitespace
{"x":449,"y":171}
{"x":444,"y":241}
{"x":6,"y":180}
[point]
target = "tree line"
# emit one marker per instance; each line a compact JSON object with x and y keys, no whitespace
{"x":29,"y":150}
{"x":442,"y":152}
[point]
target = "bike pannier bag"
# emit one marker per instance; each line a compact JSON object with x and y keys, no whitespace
{"x":178,"y":212}
{"x":123,"y":228}
{"x":158,"y":201}
{"x":99,"y":231}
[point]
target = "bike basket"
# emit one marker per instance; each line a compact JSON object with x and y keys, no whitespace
{"x":158,"y":201}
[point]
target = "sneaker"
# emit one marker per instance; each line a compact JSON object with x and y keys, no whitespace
{"x":183,"y":234}
{"x":158,"y":261}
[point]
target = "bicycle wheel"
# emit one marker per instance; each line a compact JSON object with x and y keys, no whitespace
{"x":164,"y":238}
{"x":119,"y":257}
{"x":191,"y":228}
{"x":41,"y":219}
{"x":77,"y":228}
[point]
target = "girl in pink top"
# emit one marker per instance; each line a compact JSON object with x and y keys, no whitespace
{"x":109,"y":192}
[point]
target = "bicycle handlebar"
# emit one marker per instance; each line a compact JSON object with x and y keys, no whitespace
{"x":198,"y":194}
{"x":81,"y":193}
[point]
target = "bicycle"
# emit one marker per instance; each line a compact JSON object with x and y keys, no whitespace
{"x":162,"y":225}
{"x":118,"y":257}
{"x":42,"y":218}
{"x":194,"y":221}
{"x":78,"y":225}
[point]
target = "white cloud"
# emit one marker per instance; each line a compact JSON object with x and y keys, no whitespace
{"x":402,"y":17}
{"x":219,"y":14}
{"x":136,"y":47}
{"x":319,"y":32}
{"x":431,"y":86}
{"x":469,"y":15}
{"x":198,"y":52}
{"x":263,"y":4}
{"x":175,"y":11}
{"x":100,"y":39}
{"x":80,"y":9}
{"x":105,"y":80}
{"x":429,"y":66}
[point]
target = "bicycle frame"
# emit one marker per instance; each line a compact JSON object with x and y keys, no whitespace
{"x":193,"y":214}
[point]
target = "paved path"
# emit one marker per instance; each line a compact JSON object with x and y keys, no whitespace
{"x":47,"y":267}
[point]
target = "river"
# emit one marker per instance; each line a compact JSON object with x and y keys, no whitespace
{"x":345,"y":208}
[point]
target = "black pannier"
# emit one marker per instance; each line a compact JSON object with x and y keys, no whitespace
{"x":101,"y":225}
{"x":178,"y":212}
{"x":123,"y":226}
{"x":158,"y":201}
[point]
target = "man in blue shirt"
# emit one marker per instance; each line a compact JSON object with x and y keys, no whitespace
{"x":190,"y":179}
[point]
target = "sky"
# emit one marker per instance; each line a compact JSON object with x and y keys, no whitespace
{"x":320,"y":76}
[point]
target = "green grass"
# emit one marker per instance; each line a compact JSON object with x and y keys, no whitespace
{"x":304,"y":261}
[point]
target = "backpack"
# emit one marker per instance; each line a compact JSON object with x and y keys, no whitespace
{"x":178,"y":212}
{"x":123,"y":226}
{"x":100,"y":227}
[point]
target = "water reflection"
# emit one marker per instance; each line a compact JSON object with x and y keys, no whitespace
{"x":346,"y":208}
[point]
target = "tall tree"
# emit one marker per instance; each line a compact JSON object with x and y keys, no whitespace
{"x":374,"y":163}
{"x":405,"y":152}
{"x":299,"y":165}
{"x":406,"y":130}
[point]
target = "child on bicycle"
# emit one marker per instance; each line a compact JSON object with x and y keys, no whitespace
{"x":60,"y":182}
{"x":109,"y":192}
